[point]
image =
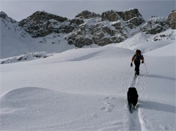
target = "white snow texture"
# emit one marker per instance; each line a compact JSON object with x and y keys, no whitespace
{"x":85,"y":89}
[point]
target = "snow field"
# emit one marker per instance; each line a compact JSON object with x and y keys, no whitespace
{"x":85,"y":89}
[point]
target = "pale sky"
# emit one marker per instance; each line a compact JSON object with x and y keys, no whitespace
{"x":21,"y":9}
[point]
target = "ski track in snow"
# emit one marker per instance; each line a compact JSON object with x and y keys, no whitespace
{"x":135,"y":119}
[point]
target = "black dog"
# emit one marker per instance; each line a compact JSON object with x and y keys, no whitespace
{"x":132,"y":96}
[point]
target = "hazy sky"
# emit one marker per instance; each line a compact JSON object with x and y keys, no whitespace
{"x":20,"y":9}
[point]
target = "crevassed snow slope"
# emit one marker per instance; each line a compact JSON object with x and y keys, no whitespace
{"x":85,"y":89}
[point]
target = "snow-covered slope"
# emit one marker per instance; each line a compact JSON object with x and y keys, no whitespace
{"x":15,"y":41}
{"x":47,"y":46}
{"x":85,"y":89}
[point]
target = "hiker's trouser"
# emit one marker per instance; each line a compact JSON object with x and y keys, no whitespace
{"x":137,"y":65}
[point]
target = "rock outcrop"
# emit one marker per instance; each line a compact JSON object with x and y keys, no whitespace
{"x":126,"y":15}
{"x":110,"y":27}
{"x":86,"y":15}
{"x":5,"y":17}
{"x":42,"y":23}
{"x":172,"y":19}
{"x":155,"y":25}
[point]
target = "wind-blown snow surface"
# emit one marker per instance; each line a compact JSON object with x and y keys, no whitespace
{"x":85,"y":89}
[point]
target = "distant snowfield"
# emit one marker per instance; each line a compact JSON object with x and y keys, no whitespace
{"x":85,"y":89}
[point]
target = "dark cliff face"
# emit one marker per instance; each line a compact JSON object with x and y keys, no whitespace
{"x":109,"y":27}
{"x":155,"y":25}
{"x":126,"y":15}
{"x":39,"y":17}
{"x":41,"y":24}
{"x":87,"y":14}
{"x":172,"y":19}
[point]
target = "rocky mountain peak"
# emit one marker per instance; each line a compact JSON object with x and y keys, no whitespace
{"x":40,"y":17}
{"x":131,"y":13}
{"x":172,"y":19}
{"x":117,"y":15}
{"x":155,"y":25}
{"x":86,"y":15}
{"x":5,"y":17}
{"x":41,"y":23}
{"x":111,"y":27}
{"x":110,"y":15}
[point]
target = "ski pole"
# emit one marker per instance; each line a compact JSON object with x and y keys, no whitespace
{"x":146,"y":68}
{"x":129,"y":69}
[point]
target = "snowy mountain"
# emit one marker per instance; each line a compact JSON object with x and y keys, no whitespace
{"x":13,"y":37}
{"x":16,"y":41}
{"x":45,"y":32}
{"x":85,"y":89}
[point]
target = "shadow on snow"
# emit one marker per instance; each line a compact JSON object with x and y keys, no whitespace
{"x":151,"y":105}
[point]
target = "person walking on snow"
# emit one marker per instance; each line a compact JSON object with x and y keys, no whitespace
{"x":137,"y":59}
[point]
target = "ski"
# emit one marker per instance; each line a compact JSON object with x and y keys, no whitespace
{"x":135,"y":76}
